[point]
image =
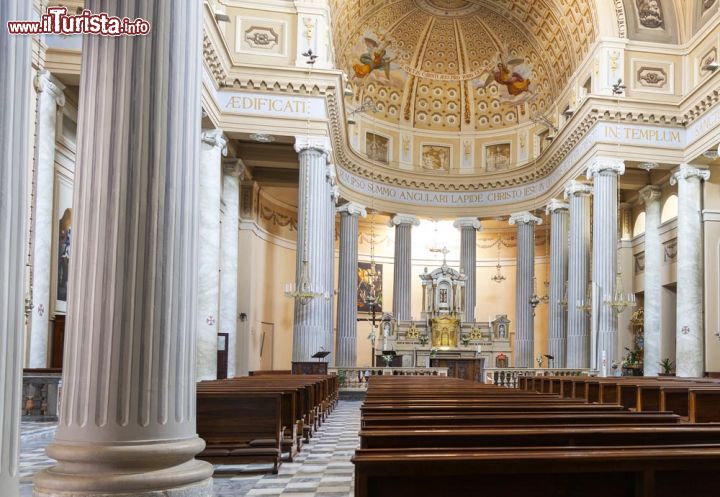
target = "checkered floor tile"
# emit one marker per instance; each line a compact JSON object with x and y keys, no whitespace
{"x":322,"y":469}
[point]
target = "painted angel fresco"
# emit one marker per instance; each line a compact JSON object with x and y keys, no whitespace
{"x":513,"y":74}
{"x":374,"y":59}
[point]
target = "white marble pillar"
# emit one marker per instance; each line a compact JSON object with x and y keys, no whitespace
{"x":578,"y":344}
{"x":312,"y":330}
{"x":334,"y":192}
{"x":557,"y":314}
{"x":468,"y":227}
{"x":653,"y":286}
{"x":604,"y":172}
{"x":14,"y":160}
{"x":525,"y":272}
{"x":690,"y":336}
{"x":50,"y":98}
{"x":346,"y":354}
{"x":127,"y":421}
{"x":213,"y":148}
{"x":233,"y":171}
{"x":402,"y":270}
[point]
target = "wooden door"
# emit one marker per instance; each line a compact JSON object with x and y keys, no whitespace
{"x":58,"y":342}
{"x":222,"y":355}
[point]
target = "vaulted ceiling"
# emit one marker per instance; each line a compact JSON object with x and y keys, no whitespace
{"x":455,"y":65}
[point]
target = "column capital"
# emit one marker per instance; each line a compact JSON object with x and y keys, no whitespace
{"x":331,"y":174}
{"x":556,"y":205}
{"x":234,"y":166}
{"x":215,"y":138}
{"x":574,"y":187}
{"x":45,"y":81}
{"x":686,"y":171}
{"x":319,"y":143}
{"x":399,"y":219}
{"x":352,"y":209}
{"x":650,"y":193}
{"x":524,"y":217}
{"x":601,"y":165}
{"x":468,"y":222}
{"x":334,"y":194}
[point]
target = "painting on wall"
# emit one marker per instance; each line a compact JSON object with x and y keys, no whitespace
{"x":436,"y":158}
{"x":512,"y":75}
{"x":376,"y":147}
{"x":373,"y":60}
{"x":64,"y":243}
{"x":497,"y":157}
{"x":367,"y":278}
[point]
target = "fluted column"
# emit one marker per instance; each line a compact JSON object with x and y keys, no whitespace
{"x":557,"y":314}
{"x":312,"y":330}
{"x":468,"y":227}
{"x":604,"y":172}
{"x":233,"y":170}
{"x":578,"y":344}
{"x":14,"y":151}
{"x":402,"y":271}
{"x":334,"y":193}
{"x":653,"y":287}
{"x":690,"y":336}
{"x":127,"y":421}
{"x":213,"y":147}
{"x":525,"y":272}
{"x":346,"y":354}
{"x":50,"y":97}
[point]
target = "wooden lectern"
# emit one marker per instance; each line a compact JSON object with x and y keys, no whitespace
{"x":310,"y":367}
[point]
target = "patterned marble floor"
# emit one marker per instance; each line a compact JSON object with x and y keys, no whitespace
{"x":322,"y":469}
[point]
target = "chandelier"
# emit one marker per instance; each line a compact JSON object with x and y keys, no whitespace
{"x":619,"y":301}
{"x":498,"y":277}
{"x":586,"y":304}
{"x":563,"y":302}
{"x":303,"y":292}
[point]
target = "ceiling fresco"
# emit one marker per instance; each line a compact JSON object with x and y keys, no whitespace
{"x":455,"y":65}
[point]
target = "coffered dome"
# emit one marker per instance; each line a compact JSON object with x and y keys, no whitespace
{"x":459,"y":65}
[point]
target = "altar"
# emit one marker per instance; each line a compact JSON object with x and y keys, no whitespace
{"x":441,"y":337}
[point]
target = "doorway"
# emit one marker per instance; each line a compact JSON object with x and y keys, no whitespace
{"x":222,"y":355}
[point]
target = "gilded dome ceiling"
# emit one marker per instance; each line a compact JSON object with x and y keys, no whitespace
{"x":459,"y":65}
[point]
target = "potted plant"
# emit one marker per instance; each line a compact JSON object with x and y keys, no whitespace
{"x":465,"y":340}
{"x":423,"y":340}
{"x":667,"y":367}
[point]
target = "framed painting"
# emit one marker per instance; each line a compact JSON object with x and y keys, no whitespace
{"x":366,"y":280}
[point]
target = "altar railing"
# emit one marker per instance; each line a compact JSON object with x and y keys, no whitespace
{"x":41,"y":394}
{"x":356,"y":379}
{"x":508,"y":377}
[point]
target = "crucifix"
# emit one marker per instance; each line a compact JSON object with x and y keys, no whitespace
{"x":444,"y":251}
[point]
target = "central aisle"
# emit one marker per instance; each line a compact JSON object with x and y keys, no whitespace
{"x":322,"y":469}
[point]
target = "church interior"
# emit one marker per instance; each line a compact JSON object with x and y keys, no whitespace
{"x":361,"y":248}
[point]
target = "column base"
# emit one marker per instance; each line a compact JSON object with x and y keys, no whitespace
{"x":164,"y":469}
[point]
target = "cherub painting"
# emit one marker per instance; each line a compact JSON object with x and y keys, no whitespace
{"x":513,"y":74}
{"x":374,"y":58}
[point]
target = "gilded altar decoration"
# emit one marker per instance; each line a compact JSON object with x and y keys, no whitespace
{"x":475,"y":333}
{"x":445,"y":330}
{"x":412,"y":333}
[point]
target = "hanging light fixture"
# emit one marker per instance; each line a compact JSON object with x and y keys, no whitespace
{"x":563,"y":302}
{"x":619,"y":301}
{"x":303,"y":292}
{"x":586,"y":304}
{"x":498,"y":277}
{"x":534,"y":299}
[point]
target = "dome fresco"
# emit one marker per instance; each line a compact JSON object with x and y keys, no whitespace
{"x":458,"y":65}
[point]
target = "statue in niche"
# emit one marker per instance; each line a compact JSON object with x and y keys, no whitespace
{"x":650,"y":13}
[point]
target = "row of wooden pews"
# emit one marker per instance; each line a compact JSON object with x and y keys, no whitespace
{"x":427,"y":436}
{"x":257,"y":419}
{"x":696,"y":400}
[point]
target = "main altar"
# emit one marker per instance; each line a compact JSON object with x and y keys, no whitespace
{"x":442,"y":337}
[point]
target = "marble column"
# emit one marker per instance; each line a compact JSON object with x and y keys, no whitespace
{"x":402,"y":270}
{"x":690,"y":335}
{"x":50,"y":99}
{"x":233,"y":171}
{"x":312,"y":330}
{"x":468,"y":227}
{"x":346,"y":354}
{"x":15,"y":87}
{"x":525,"y":272}
{"x":653,"y":286}
{"x":334,"y":192}
{"x":127,"y":420}
{"x":557,"y":314}
{"x":578,"y":344}
{"x":213,"y":147}
{"x":604,"y":172}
